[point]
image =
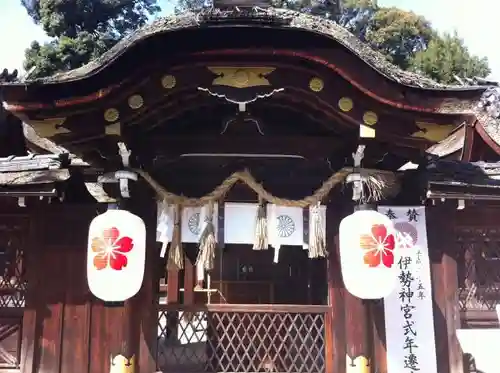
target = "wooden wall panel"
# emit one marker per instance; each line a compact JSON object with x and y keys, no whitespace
{"x":440,"y":222}
{"x":77,"y":317}
{"x":99,"y":356}
{"x":29,"y":342}
{"x":10,"y":338}
{"x":50,"y":313}
{"x":65,"y":329}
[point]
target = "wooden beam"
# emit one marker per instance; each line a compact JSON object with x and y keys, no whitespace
{"x":308,"y":147}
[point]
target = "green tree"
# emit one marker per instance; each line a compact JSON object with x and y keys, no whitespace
{"x":447,"y":59}
{"x":82,"y":30}
{"x":410,"y":42}
{"x":398,"y":34}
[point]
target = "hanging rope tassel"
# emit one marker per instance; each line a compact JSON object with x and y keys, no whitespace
{"x":175,"y":260}
{"x":317,"y":240}
{"x":206,"y":253}
{"x":260,"y":240}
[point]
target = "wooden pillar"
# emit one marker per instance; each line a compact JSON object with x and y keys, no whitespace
{"x":29,"y":328}
{"x":189,"y":281}
{"x":444,"y":276}
{"x":358,"y":330}
{"x":379,"y":357}
{"x":147,"y":301}
{"x":124,"y":350}
{"x":123,"y":337}
{"x":127,"y":329}
{"x":335,"y":321}
{"x":358,"y":326}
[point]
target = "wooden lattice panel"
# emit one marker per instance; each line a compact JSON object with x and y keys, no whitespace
{"x":478,"y":251}
{"x":12,"y":276}
{"x":209,"y":341}
{"x":10,"y":342}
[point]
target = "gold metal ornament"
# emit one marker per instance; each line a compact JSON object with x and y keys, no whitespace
{"x":135,"y":101}
{"x":113,"y":129}
{"x":48,"y":127}
{"x":241,"y":77}
{"x":366,"y":132}
{"x":111,"y":115}
{"x":345,"y":104}
{"x":370,"y":118}
{"x":120,"y":364}
{"x":316,"y":85}
{"x":168,"y":81}
{"x":358,"y":365}
{"x":432,"y":131}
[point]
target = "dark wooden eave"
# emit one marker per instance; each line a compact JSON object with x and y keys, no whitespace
{"x":47,"y":175}
{"x":452,"y":144}
{"x":33,"y":174}
{"x":462,"y":180}
{"x":278,"y":31}
{"x":34,"y":162}
{"x":203,"y":37}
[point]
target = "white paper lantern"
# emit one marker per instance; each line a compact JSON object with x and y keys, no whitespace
{"x":368,"y":254}
{"x":116,"y":255}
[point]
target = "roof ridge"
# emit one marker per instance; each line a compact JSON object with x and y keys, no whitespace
{"x":285,"y":18}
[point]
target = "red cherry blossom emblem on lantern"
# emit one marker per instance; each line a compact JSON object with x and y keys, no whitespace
{"x":378,"y":246}
{"x":110,"y":249}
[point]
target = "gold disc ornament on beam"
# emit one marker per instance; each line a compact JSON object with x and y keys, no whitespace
{"x":168,"y":81}
{"x":316,"y":85}
{"x":135,"y":101}
{"x":111,"y":115}
{"x":345,"y":104}
{"x":370,"y":118}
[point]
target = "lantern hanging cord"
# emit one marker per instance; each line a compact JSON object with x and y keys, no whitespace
{"x":359,"y":185}
{"x":362,"y":178}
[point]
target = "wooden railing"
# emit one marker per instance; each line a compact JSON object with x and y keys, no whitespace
{"x":241,"y":338}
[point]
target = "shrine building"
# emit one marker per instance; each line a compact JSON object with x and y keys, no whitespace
{"x":248,"y":190}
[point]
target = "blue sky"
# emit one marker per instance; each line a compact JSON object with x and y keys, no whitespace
{"x":476,"y":22}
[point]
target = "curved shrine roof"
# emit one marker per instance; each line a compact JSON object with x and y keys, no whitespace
{"x":270,"y":17}
{"x":473,"y":101}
